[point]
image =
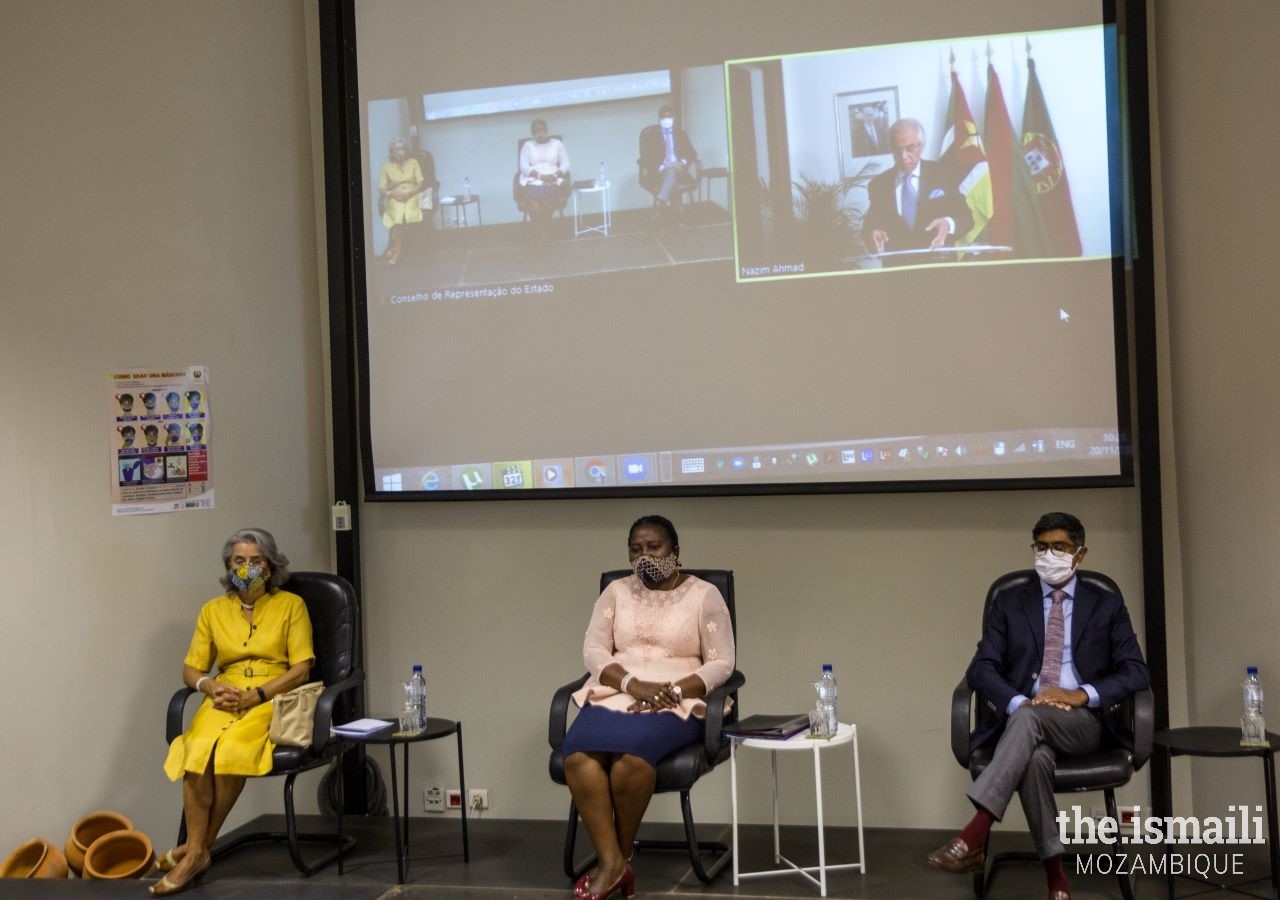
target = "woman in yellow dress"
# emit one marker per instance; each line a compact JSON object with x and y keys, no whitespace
{"x":400,"y":182}
{"x":260,"y":638}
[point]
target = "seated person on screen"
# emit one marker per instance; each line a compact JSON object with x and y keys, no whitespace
{"x":259,"y":636}
{"x":657,"y":643}
{"x":544,"y":174}
{"x":1052,"y":700}
{"x":667,"y":160}
{"x":399,"y":183}
{"x":916,"y":204}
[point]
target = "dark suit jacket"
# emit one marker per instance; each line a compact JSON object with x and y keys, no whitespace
{"x":653,"y":150}
{"x":937,"y":196}
{"x":1104,"y":650}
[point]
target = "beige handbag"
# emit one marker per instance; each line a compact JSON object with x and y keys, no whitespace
{"x":293,"y":715}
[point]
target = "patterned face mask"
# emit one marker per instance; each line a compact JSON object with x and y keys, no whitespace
{"x":248,"y":579}
{"x":655,"y":569}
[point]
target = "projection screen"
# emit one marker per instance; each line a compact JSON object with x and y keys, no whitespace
{"x":881,"y":246}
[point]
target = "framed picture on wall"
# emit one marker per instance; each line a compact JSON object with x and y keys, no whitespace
{"x":862,"y":126}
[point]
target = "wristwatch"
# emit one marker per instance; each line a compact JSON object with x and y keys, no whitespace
{"x":675,"y":691}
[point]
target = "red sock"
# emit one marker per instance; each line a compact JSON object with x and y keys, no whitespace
{"x":975,"y":833}
{"x":1056,"y":873}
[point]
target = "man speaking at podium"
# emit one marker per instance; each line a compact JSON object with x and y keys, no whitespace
{"x":915,"y":205}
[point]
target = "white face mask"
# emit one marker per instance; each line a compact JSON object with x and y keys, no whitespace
{"x":667,"y":122}
{"x":1056,"y":570}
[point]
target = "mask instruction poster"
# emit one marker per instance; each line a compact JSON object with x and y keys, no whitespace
{"x":159,"y":434}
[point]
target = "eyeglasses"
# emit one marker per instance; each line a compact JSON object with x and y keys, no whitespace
{"x":248,"y":561}
{"x":909,"y":149}
{"x":1060,"y":549}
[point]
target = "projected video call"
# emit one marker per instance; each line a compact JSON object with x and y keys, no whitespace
{"x":814,"y":247}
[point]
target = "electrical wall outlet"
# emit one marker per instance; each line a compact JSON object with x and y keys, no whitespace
{"x":478,"y":798}
{"x":453,"y":799}
{"x":433,"y":797}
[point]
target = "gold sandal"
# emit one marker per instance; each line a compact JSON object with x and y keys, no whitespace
{"x":167,"y":887}
{"x":166,"y":863}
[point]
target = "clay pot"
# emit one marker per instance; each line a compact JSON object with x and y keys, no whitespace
{"x":118,"y":854}
{"x":37,"y":858}
{"x":89,"y":828}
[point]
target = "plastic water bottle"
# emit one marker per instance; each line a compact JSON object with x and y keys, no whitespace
{"x":829,"y":718}
{"x":466,"y":188}
{"x":1253,"y":727}
{"x":418,"y":693}
{"x":603,"y":179}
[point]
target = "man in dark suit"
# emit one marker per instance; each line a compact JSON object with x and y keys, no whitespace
{"x":870,"y":137}
{"x":1056,"y":656}
{"x":916,"y":204}
{"x":667,"y":158}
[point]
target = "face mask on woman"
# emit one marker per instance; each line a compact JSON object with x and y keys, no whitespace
{"x":655,"y":569}
{"x":248,"y":578}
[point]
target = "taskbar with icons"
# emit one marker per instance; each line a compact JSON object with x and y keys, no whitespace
{"x":878,"y":459}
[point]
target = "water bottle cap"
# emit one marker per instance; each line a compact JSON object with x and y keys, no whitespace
{"x":826,"y":667}
{"x":417,"y":668}
{"x":1251,"y":670}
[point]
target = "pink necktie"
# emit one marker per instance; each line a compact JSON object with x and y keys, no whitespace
{"x":1054,"y":635}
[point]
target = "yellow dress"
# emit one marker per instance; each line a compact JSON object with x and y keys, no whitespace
{"x":396,"y":174}
{"x":247,"y":657}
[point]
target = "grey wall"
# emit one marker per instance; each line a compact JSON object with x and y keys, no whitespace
{"x":158,"y":211}
{"x":161,"y":209}
{"x":1221,"y":71}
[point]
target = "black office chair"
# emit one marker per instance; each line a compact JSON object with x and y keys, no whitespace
{"x":517,"y":189}
{"x":677,"y":772}
{"x":333,"y":609}
{"x":1109,"y":767}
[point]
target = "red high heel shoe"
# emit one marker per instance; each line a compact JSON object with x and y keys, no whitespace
{"x":580,"y":886}
{"x":626,"y":882}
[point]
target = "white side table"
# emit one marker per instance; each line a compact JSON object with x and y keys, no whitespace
{"x":800,"y":743}
{"x":606,"y":220}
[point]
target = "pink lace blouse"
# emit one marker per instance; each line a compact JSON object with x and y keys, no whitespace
{"x":658,"y":636}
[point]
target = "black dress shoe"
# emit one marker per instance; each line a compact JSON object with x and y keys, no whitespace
{"x":955,"y":856}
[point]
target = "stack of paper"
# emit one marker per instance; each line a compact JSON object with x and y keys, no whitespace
{"x":362,"y":727}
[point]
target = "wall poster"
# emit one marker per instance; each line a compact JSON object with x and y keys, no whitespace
{"x":159,"y":436}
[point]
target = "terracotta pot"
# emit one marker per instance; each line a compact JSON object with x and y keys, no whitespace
{"x":37,"y":858}
{"x":89,"y":828}
{"x":118,"y":854}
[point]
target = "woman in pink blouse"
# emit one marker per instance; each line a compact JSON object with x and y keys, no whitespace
{"x":657,"y":643}
{"x":544,"y":178}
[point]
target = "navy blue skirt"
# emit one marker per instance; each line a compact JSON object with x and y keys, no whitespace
{"x":650,"y":736}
